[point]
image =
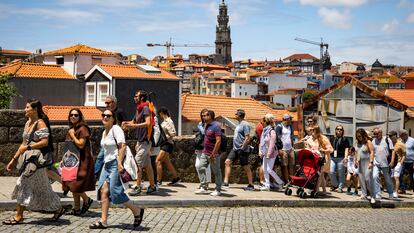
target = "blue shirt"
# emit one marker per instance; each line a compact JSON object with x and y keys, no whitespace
{"x":409,"y":149}
{"x":242,"y":129}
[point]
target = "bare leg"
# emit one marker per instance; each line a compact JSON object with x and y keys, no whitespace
{"x":249,"y":174}
{"x":19,"y":212}
{"x":76,"y":200}
{"x":160,"y":159}
{"x":150,"y":175}
{"x":85,"y":197}
{"x":170,"y":167}
{"x":139,"y":176}
{"x":135,"y":210}
{"x":53,"y":175}
{"x":261,"y":175}
{"x":227,"y":170}
{"x":104,"y":203}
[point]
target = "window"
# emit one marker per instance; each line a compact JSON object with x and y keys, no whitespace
{"x":90,"y":94}
{"x":60,"y":60}
{"x":245,"y":93}
{"x":240,"y":93}
{"x":103,"y":92}
{"x":96,"y":60}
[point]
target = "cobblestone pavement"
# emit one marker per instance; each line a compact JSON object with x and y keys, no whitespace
{"x":245,"y":219}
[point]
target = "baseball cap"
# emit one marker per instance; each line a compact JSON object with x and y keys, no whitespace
{"x":286,"y":116}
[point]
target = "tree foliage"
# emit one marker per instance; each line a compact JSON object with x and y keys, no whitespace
{"x":307,"y":95}
{"x":7,"y":91}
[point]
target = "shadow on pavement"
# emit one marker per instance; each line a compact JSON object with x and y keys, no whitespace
{"x":47,"y":222}
{"x":126,"y":226}
{"x":177,"y":185}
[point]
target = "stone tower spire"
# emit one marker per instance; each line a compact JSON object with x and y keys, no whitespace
{"x":223,"y":40}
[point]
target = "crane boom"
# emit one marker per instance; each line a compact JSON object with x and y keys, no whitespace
{"x":168,"y":46}
{"x":321,"y":45}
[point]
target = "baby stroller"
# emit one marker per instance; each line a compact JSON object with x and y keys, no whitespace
{"x":307,"y":175}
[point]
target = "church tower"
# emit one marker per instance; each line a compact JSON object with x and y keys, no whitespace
{"x":223,"y":40}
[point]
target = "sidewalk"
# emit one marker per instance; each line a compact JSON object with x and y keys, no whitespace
{"x":182,"y":195}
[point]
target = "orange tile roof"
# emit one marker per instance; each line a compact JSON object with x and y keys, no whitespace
{"x":301,"y":56}
{"x":132,"y":71}
{"x":219,"y":71}
{"x":81,"y":49}
{"x":217,"y":82}
{"x":409,"y":76}
{"x":244,"y":82}
{"x":60,"y":113}
{"x":226,"y":106}
{"x":277,"y":93}
{"x":21,"y":69}
{"x":405,"y":96}
{"x":12,"y":52}
{"x":370,"y":79}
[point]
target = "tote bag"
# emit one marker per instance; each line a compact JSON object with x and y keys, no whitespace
{"x":70,"y":162}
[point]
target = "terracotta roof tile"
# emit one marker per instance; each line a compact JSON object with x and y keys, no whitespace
{"x":217,"y":82}
{"x":301,"y":56}
{"x":405,"y":96}
{"x":409,"y":76}
{"x":132,"y":71}
{"x":81,"y":49}
{"x":226,"y":106}
{"x":60,"y":113}
{"x":21,"y":69}
{"x":12,"y":51}
{"x":244,"y":82}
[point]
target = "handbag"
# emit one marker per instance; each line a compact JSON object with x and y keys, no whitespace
{"x":130,"y":167}
{"x":70,"y":162}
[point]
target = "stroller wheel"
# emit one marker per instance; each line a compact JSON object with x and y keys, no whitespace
{"x":303,"y":195}
{"x":313,"y":194}
{"x":298,"y":191}
{"x":288,"y":191}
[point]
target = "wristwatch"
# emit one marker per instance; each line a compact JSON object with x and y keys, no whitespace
{"x":29,"y":147}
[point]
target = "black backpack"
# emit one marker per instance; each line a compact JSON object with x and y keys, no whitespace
{"x":279,"y":143}
{"x":198,"y":141}
{"x":223,"y":145}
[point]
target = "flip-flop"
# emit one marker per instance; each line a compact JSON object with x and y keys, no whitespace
{"x":12,"y":221}
{"x":97,"y":225}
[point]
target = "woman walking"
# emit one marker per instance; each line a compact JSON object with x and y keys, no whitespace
{"x":33,"y":190}
{"x":168,"y":128}
{"x":79,"y":134}
{"x":110,"y":188}
{"x":320,"y":144}
{"x":365,"y":157}
{"x":268,"y":152}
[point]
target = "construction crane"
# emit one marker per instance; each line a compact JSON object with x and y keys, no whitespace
{"x":168,"y":46}
{"x":321,"y":45}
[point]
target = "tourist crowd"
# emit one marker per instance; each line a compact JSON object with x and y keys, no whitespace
{"x":347,"y":166}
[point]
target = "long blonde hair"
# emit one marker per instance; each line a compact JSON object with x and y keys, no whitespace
{"x":319,"y":136}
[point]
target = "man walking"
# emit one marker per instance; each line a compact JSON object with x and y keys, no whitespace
{"x":142,"y":123}
{"x":210,"y":154}
{"x":383,"y":148}
{"x":240,"y":150}
{"x":340,"y":145}
{"x":408,"y":165}
{"x":284,"y":131}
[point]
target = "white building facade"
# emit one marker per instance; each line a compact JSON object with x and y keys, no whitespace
{"x":282,"y":81}
{"x":243,"y":89}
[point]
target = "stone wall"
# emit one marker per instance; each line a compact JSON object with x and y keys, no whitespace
{"x":11,"y":130}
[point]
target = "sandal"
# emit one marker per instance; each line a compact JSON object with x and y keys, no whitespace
{"x":12,"y":221}
{"x":97,"y":225}
{"x":75,"y":212}
{"x":60,"y":212}
{"x":86,"y":206}
{"x":138,"y":219}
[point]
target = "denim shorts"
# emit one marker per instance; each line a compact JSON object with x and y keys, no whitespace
{"x":110,"y":174}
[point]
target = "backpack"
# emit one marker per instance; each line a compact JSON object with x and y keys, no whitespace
{"x":390,"y":152}
{"x":223,"y":144}
{"x":198,"y":141}
{"x":278,"y":131}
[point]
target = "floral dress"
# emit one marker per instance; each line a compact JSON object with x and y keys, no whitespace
{"x":35,"y":192}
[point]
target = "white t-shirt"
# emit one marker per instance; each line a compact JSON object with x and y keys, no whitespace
{"x":287,"y":142}
{"x":381,"y":151}
{"x":109,"y":145}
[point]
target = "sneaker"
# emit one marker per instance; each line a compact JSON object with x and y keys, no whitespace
{"x":225,"y":185}
{"x":355,"y":193}
{"x":372,"y":200}
{"x":333,"y":188}
{"x":340,"y":190}
{"x":151,"y":190}
{"x":175,"y":181}
{"x":215,"y":193}
{"x":348,"y":190}
{"x":264,"y":188}
{"x":395,"y":195}
{"x":159,"y":183}
{"x":201,"y":191}
{"x":132,"y":186}
{"x":135,"y":191}
{"x":249,"y":188}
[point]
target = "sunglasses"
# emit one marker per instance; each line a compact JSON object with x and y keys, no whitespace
{"x":74,"y":115}
{"x":136,"y":96}
{"x":108,"y":103}
{"x":204,"y":115}
{"x":106,"y":115}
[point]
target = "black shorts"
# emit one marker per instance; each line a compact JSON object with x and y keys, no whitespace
{"x":242,"y":155}
{"x":167,"y":147}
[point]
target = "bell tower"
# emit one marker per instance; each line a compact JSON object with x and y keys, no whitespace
{"x":223,"y":40}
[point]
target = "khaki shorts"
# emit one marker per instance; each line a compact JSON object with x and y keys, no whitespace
{"x":287,"y":157}
{"x":143,"y":154}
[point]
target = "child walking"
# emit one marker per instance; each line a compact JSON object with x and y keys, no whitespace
{"x":352,"y":172}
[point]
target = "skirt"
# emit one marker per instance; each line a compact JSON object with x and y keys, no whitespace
{"x":110,"y":174}
{"x":35,"y":192}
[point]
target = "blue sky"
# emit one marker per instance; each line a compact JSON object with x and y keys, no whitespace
{"x":356,"y":30}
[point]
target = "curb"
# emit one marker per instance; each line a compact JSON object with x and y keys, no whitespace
{"x":300,"y":203}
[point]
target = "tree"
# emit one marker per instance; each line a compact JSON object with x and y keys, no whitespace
{"x":7,"y":91}
{"x":307,"y":95}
